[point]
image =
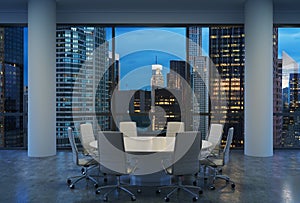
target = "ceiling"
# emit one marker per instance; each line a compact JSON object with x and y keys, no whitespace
{"x":113,"y":11}
{"x":149,"y":5}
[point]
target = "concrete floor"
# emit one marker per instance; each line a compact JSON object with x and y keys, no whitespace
{"x":274,"y":179}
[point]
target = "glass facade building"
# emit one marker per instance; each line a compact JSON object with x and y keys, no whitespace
{"x":11,"y":87}
{"x":227,"y":52}
{"x":81,"y":61}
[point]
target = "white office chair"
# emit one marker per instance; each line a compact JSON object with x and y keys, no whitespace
{"x":87,"y":136}
{"x":217,"y":162}
{"x":113,"y":161}
{"x":173,"y":128}
{"x":184,"y":163}
{"x":85,"y":162}
{"x":214,"y":136}
{"x":128,"y":128}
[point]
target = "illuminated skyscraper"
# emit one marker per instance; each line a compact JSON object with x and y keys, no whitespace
{"x":157,"y":79}
{"x":292,"y":130}
{"x":227,"y":51}
{"x":11,"y":82}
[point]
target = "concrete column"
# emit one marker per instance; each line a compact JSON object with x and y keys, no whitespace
{"x":41,"y":78}
{"x":259,"y":78}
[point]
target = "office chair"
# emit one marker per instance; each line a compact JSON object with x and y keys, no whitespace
{"x":128,"y":128}
{"x":214,"y":136}
{"x":217,"y":162}
{"x":85,"y":162}
{"x":184,"y":163}
{"x":113,"y":161}
{"x":87,"y":136}
{"x":173,"y":128}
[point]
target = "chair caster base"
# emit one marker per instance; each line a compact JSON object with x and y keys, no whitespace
{"x":233,"y":186}
{"x":195,"y":199}
{"x":71,"y":186}
{"x":69,"y":182}
{"x":133,"y":198}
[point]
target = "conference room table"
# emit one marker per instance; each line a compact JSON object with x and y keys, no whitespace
{"x":147,"y":144}
{"x":149,"y":153}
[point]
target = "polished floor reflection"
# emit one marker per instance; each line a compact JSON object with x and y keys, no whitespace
{"x":273,"y":179}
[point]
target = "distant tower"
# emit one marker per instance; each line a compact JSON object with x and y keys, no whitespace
{"x":157,"y":82}
{"x":157,"y":79}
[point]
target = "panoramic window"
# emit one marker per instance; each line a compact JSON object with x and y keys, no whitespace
{"x":150,"y":75}
{"x":286,"y":89}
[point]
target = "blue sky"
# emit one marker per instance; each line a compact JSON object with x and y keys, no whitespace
{"x":289,"y":41}
{"x":140,"y":47}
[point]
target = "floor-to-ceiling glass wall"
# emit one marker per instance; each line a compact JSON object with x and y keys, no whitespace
{"x":154,"y":70}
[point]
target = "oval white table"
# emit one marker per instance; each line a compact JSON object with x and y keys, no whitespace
{"x":151,"y":144}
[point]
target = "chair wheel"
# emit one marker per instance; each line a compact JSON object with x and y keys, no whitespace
{"x":194,"y":182}
{"x":105,"y":199}
{"x":105,"y":180}
{"x":95,"y":185}
{"x":69,"y":182}
{"x":139,"y":190}
{"x":133,"y":198}
{"x":195,"y":199}
{"x":232,"y":185}
{"x":97,"y":192}
{"x":158,"y":191}
{"x":71,"y":186}
{"x":212,"y":187}
{"x":200,"y":192}
{"x":82,"y":171}
{"x":167,"y":199}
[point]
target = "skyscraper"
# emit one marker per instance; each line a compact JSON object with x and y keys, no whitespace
{"x":277,"y":93}
{"x":157,"y":79}
{"x":227,"y":51}
{"x":179,"y":73}
{"x":179,"y":82}
{"x":199,"y":80}
{"x":81,"y":61}
{"x":11,"y":82}
{"x":292,"y":134}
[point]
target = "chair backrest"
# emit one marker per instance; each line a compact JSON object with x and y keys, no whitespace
{"x":187,"y":148}
{"x":87,"y":136}
{"x":128,"y":128}
{"x":173,"y":128}
{"x":73,"y":145}
{"x":215,"y":134}
{"x":112,"y":156}
{"x":227,"y":146}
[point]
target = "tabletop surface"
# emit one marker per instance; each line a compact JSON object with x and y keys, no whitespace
{"x":152,"y":144}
